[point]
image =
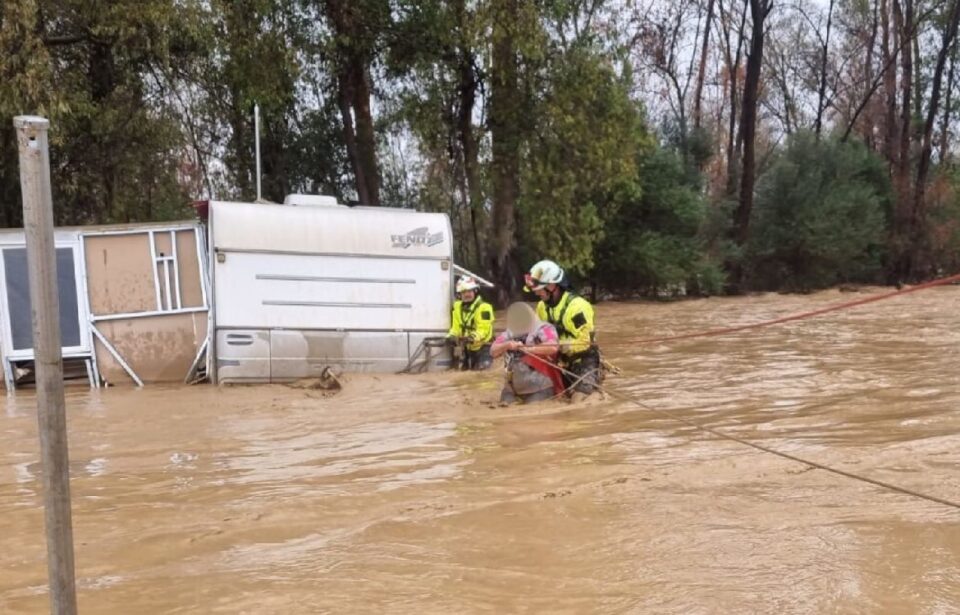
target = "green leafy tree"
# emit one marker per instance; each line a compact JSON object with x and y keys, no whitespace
{"x":581,"y":157}
{"x":653,"y":245}
{"x":253,"y":56}
{"x":436,"y":53}
{"x":820,"y":217}
{"x":89,"y":66}
{"x":351,"y":45}
{"x":25,"y":86}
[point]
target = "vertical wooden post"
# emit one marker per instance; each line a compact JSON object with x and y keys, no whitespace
{"x":51,"y":414}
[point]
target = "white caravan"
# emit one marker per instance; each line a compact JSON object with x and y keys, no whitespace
{"x":310,"y":284}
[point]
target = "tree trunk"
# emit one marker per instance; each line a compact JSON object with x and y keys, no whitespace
{"x":734,"y":140}
{"x":885,"y":78}
{"x":868,"y":76}
{"x":918,"y":88}
{"x":366,"y":134}
{"x":889,"y":86}
{"x":11,"y":210}
{"x":240,"y":137}
{"x":101,"y":71}
{"x":102,"y":81}
{"x":923,"y":165}
{"x":702,"y":70}
{"x":903,"y":17}
{"x":467,"y":90}
{"x":275,"y":171}
{"x":504,"y":119}
{"x":748,"y":123}
{"x":906,"y":91}
{"x":344,"y":103}
{"x":469,"y":82}
{"x":822,"y":89}
{"x":944,"y":149}
{"x":353,"y":97}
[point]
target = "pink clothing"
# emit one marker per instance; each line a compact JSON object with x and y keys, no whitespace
{"x":544,"y":332}
{"x":529,"y":374}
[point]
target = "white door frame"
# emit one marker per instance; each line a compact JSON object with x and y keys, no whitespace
{"x":26,"y":354}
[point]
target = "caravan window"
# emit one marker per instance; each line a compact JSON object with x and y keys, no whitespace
{"x":18,"y":298}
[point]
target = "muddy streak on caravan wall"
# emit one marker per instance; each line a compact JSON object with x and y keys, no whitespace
{"x":300,"y":288}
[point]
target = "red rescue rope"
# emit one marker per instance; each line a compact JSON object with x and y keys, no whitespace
{"x":776,"y":321}
{"x":801,"y":316}
{"x":546,"y":367}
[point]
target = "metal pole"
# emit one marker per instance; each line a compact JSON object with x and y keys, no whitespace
{"x":466,"y":272}
{"x":256,"y":138}
{"x":51,"y":413}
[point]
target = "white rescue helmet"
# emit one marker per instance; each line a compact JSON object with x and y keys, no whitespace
{"x":543,"y":273}
{"x":467,"y":283}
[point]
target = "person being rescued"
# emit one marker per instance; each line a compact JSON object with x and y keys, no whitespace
{"x":530,"y":346}
{"x":472,"y":326}
{"x":572,"y":315}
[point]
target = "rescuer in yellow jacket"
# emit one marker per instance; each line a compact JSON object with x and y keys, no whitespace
{"x":572,"y":315}
{"x":472,"y":326}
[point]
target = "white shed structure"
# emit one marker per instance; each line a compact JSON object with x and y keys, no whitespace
{"x":310,"y":284}
{"x":133,"y":303}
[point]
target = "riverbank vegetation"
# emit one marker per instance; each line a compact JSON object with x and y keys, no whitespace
{"x":652,"y":147}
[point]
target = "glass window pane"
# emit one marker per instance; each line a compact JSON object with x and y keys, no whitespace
{"x":18,"y":298}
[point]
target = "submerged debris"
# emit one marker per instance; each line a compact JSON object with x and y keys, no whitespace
{"x":328,"y":381}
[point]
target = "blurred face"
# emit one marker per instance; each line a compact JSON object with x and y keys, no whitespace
{"x":468,"y":295}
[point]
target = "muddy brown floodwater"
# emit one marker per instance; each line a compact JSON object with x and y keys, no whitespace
{"x":415,"y":495}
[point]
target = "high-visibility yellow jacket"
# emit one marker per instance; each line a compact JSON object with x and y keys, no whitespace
{"x":473,"y":321}
{"x":573,"y":318}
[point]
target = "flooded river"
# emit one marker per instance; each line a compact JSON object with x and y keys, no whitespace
{"x":417,"y":495}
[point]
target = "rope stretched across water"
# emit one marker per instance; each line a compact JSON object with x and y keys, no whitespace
{"x":803,"y":315}
{"x":626,"y":397}
{"x":777,"y":321}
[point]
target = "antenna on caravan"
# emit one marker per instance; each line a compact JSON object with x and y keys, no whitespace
{"x":256,"y":140}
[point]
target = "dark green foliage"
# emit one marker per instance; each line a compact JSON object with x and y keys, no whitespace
{"x":653,"y":245}
{"x":92,"y":68}
{"x":318,"y":161}
{"x":819,"y":218}
{"x":581,"y":159}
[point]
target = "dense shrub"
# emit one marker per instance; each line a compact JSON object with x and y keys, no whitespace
{"x":653,"y":245}
{"x":819,"y":217}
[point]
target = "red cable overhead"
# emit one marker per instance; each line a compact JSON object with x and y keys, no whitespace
{"x":803,"y":315}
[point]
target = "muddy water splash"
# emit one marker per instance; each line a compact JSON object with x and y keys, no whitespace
{"x":414,"y":494}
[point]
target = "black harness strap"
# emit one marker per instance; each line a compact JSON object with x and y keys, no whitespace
{"x":467,"y":318}
{"x":558,"y":321}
